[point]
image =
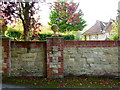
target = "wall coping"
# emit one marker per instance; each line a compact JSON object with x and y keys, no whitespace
{"x":107,"y":43}
{"x":30,"y":41}
{"x":95,"y":40}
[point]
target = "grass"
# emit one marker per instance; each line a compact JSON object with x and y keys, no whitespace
{"x":67,"y":82}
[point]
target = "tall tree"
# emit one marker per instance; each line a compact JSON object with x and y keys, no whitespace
{"x":25,"y":11}
{"x":67,"y":16}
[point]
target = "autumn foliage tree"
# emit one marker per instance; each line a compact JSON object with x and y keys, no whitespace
{"x":25,"y":11}
{"x":67,"y":16}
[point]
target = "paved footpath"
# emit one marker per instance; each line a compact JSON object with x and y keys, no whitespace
{"x":11,"y":86}
{"x":8,"y":86}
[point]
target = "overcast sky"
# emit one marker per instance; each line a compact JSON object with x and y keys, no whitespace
{"x":93,"y":10}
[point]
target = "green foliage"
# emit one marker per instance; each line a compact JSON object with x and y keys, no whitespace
{"x":114,"y":32}
{"x":43,"y":37}
{"x":5,"y":76}
{"x":67,"y":37}
{"x":67,"y":17}
{"x":14,"y":34}
{"x":84,"y":38}
{"x":17,"y":27}
{"x":25,"y":11}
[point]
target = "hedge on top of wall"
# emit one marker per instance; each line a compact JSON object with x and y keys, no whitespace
{"x":44,"y":36}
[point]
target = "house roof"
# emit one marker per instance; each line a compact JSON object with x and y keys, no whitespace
{"x":99,"y":27}
{"x":109,"y":27}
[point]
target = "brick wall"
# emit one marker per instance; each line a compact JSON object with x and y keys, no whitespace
{"x":91,"y":57}
{"x":56,"y":58}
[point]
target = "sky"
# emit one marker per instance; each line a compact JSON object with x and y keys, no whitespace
{"x":93,"y":10}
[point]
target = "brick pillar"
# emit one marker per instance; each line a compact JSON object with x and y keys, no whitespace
{"x":6,"y":55}
{"x":55,"y":63}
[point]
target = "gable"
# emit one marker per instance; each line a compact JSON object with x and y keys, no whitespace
{"x":99,"y":27}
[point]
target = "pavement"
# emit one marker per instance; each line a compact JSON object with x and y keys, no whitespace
{"x":10,"y":86}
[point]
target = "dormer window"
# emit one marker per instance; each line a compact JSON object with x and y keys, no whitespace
{"x":102,"y":31}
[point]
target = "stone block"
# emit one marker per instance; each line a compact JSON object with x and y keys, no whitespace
{"x":55,"y":66}
{"x":72,"y":59}
{"x":51,"y":55}
{"x":93,"y":66}
{"x":85,"y":65}
{"x":115,"y":69}
{"x":29,"y":56}
{"x":37,"y":74}
{"x":36,"y":50}
{"x":40,"y":58}
{"x":33,"y":50}
{"x":90,"y":60}
{"x":55,"y":48}
{"x":15,"y":65}
{"x":1,"y":60}
{"x":4,"y":65}
{"x":19,"y":50}
{"x":15,"y":72}
{"x":38,"y":64}
{"x":80,"y":64}
{"x":55,"y":58}
{"x":4,"y":54}
{"x":54,"y":71}
{"x":30,"y":63}
{"x":55,"y":61}
{"x":88,"y":71}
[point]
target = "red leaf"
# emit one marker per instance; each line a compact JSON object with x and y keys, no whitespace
{"x":35,"y":35}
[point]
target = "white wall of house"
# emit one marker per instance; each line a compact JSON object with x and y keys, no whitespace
{"x":87,"y":37}
{"x":101,"y":36}
{"x":97,"y":36}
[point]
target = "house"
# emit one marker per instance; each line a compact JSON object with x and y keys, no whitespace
{"x":99,"y":31}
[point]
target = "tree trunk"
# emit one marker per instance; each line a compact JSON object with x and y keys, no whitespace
{"x":26,"y":21}
{"x":4,"y":28}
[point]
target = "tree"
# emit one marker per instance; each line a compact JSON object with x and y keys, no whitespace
{"x":67,"y":16}
{"x":114,"y":32}
{"x":25,"y":11}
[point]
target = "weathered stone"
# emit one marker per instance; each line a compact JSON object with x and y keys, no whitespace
{"x":55,"y":59}
{"x":72,"y":59}
{"x":90,"y":60}
{"x":29,"y":56}
{"x":4,"y":54}
{"x":30,"y":63}
{"x":54,"y":70}
{"x":19,"y":50}
{"x":27,"y":64}
{"x":55,"y":48}
{"x":4,"y":65}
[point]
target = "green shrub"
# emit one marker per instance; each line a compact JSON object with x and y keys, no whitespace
{"x":14,"y":34}
{"x":43,"y":37}
{"x":67,"y":37}
{"x":5,"y":76}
